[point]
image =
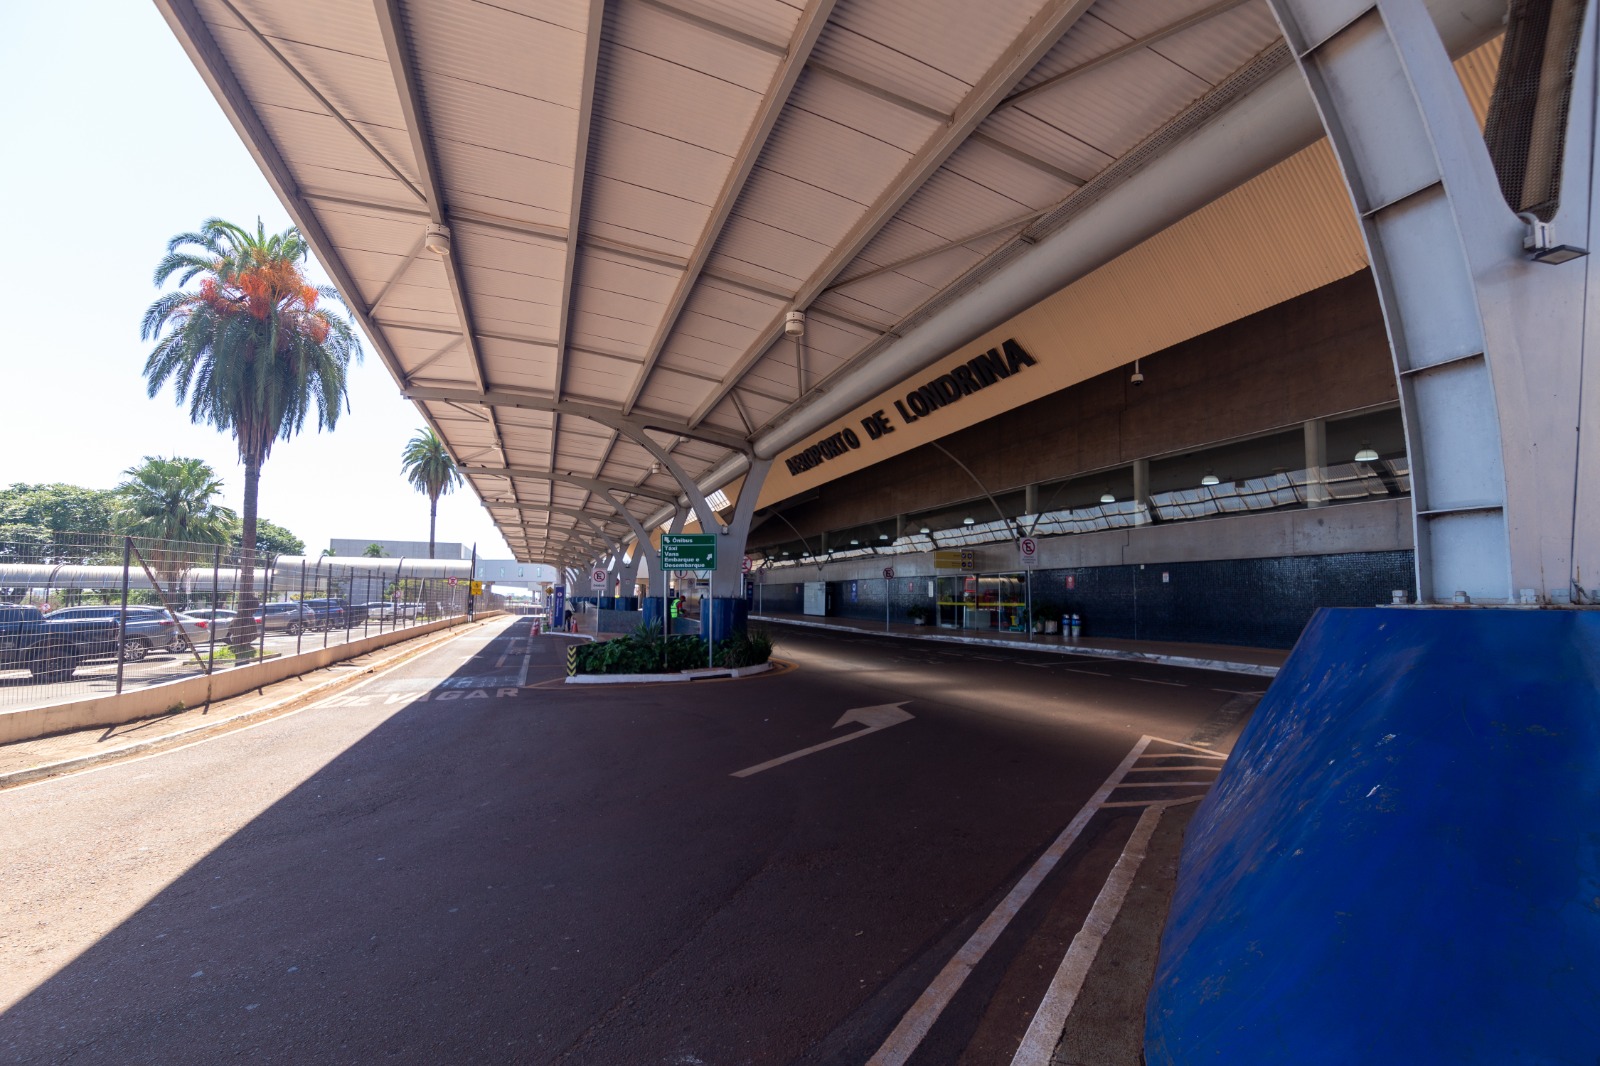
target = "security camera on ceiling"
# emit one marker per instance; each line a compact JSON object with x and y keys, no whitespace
{"x":1138,"y":375}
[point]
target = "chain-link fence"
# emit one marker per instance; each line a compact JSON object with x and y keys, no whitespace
{"x":88,"y":615}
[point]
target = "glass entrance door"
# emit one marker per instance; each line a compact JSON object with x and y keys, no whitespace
{"x":983,"y":602}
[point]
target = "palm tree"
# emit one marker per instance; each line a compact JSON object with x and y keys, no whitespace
{"x":173,"y":501}
{"x":431,"y":470}
{"x":249,"y":349}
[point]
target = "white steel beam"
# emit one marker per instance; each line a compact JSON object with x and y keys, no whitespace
{"x":1489,"y":346}
{"x":1040,"y":35}
{"x":812,"y":22}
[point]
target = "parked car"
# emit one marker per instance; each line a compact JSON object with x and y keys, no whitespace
{"x":381,"y":610}
{"x":200,"y":624}
{"x":332,"y":613}
{"x":52,"y":650}
{"x":287,"y":617}
{"x":148,"y":628}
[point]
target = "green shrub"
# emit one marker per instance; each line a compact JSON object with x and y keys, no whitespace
{"x":645,"y":652}
{"x":744,"y":649}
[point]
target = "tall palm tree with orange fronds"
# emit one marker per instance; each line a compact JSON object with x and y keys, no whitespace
{"x":250,"y":350}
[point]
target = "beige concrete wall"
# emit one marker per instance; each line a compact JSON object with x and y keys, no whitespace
{"x":1281,"y":235}
{"x":152,"y":700}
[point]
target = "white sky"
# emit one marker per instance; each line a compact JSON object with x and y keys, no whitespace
{"x":109,"y":144}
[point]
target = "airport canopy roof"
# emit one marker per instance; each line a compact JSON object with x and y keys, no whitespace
{"x":573,"y":229}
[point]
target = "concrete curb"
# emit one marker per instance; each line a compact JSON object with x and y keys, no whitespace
{"x":146,"y":747}
{"x":683,"y":675}
{"x":1253,"y":669}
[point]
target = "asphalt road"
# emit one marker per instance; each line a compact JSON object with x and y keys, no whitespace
{"x":442,"y":867}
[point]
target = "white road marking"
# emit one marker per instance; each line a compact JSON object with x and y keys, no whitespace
{"x":527,"y":657}
{"x":1044,"y":1032}
{"x":1163,"y":784}
{"x":1207,"y":752}
{"x":874,"y":718}
{"x":1164,"y":767}
{"x":913,"y":1028}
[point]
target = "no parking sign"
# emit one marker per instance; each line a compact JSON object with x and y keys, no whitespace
{"x":1028,"y":551}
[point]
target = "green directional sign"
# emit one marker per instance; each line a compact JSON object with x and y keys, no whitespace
{"x":688,"y":551}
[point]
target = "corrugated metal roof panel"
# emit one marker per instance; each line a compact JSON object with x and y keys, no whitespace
{"x":1016,"y":127}
{"x":598,"y":377}
{"x":818,"y":217}
{"x":536,"y":52}
{"x":985,"y":165}
{"x":888,"y":296}
{"x":650,"y":31}
{"x":956,"y":204}
{"x":352,"y":79}
{"x":537,"y":260}
{"x":859,"y":110}
{"x":541,"y":132}
{"x":528,"y":317}
{"x":514,"y":365}
{"x":823,"y":153}
{"x":767,"y":20}
{"x":673,"y":100}
{"x":1221,"y":45}
{"x":1117,"y":106}
{"x":656,"y":161}
{"x":931,"y":51}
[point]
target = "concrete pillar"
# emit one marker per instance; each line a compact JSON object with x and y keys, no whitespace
{"x":1141,"y":488}
{"x":1316,"y":434}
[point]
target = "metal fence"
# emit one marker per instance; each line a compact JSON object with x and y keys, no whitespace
{"x":116,"y":612}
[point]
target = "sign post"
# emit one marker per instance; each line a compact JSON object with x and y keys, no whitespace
{"x":692,"y":551}
{"x":1028,"y":549}
{"x":888,"y":587}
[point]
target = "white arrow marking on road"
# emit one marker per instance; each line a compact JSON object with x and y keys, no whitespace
{"x":874,"y":718}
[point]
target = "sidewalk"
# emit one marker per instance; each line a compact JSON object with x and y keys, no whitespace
{"x":59,"y":753}
{"x":1260,"y":662}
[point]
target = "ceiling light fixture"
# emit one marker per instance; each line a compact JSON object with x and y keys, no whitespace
{"x":1209,"y":479}
{"x":924,"y":529}
{"x":1106,"y":497}
{"x":854,"y":543}
{"x":968,"y":521}
{"x":883,"y":536}
{"x":1367,"y":454}
{"x":436,"y":239}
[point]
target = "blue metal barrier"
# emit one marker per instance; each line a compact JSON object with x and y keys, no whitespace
{"x":1400,"y":863}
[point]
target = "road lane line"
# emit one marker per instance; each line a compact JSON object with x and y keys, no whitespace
{"x":913,"y":1028}
{"x":527,"y":657}
{"x":1206,"y":752}
{"x":1044,"y":1032}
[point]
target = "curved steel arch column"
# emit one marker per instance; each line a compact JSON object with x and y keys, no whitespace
{"x":1488,"y":345}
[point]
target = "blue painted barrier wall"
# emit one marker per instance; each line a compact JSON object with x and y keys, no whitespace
{"x":1401,"y":861}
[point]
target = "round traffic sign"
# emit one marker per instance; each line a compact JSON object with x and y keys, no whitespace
{"x":888,"y":573}
{"x":1029,"y":546}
